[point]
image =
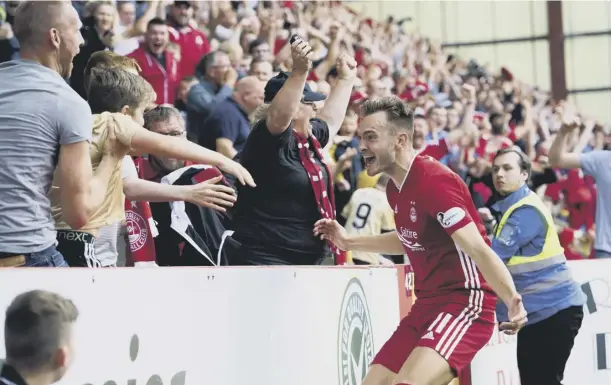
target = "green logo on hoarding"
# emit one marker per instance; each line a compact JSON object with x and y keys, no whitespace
{"x":355,"y":338}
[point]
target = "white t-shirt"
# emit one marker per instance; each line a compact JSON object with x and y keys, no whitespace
{"x":125,"y":47}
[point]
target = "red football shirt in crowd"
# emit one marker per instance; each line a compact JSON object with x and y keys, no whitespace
{"x":194,"y":44}
{"x":487,"y":148}
{"x":430,"y":205}
{"x":436,"y":150}
{"x":163,"y":79}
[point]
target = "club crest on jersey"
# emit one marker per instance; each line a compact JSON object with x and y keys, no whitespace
{"x":413,"y":216}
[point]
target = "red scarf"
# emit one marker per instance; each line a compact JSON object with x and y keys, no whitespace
{"x":140,"y":225}
{"x":323,"y":195}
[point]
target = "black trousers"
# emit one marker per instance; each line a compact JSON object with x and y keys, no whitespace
{"x":544,"y":347}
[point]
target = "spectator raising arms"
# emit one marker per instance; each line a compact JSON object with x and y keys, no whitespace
{"x":597,"y":165}
{"x":273,"y":222}
{"x":192,"y":42}
{"x":32,"y":131}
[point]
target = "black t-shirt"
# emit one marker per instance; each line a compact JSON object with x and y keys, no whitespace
{"x":274,"y":221}
{"x":93,"y":44}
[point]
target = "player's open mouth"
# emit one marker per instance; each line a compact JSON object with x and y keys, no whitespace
{"x":369,"y":160}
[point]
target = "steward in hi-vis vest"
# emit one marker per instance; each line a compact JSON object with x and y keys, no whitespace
{"x":526,"y":240}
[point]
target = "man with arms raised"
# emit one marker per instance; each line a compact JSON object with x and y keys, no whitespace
{"x":39,"y":114}
{"x":596,"y":164}
{"x":439,"y":229}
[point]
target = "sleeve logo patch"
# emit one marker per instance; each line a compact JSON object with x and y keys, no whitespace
{"x":451,"y":217}
{"x":508,"y":235}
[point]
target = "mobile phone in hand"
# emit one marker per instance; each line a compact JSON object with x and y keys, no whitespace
{"x":294,"y":37}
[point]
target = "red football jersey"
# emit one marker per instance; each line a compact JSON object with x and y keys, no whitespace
{"x":194,"y":45}
{"x":430,"y":205}
{"x":437,"y":150}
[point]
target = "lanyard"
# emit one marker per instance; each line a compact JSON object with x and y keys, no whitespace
{"x":6,"y":382}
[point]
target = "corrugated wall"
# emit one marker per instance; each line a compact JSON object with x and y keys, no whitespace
{"x":515,"y":34}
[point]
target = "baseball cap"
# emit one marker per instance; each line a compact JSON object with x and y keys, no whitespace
{"x":276,"y":83}
{"x":182,"y":4}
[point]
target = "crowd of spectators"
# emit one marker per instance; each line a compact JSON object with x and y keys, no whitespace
{"x":210,"y":65}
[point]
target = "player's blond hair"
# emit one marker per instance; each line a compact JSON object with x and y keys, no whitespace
{"x":399,"y":115}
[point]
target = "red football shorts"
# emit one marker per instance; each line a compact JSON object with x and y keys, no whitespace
{"x":455,"y":326}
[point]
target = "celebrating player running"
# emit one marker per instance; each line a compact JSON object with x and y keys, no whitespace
{"x":439,"y":229}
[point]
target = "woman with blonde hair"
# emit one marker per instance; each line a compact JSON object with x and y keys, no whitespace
{"x":98,"y":31}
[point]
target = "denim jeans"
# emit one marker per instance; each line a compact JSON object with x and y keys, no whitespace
{"x":49,"y":257}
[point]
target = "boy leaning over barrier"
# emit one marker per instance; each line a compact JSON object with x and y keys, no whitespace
{"x":118,"y":99}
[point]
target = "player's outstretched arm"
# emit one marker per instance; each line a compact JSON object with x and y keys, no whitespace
{"x":494,"y":271}
{"x":331,"y":230}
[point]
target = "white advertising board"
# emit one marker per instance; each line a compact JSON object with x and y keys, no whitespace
{"x":589,"y":363}
{"x":223,"y":326}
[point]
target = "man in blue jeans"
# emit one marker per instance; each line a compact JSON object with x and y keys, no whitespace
{"x":596,"y":164}
{"x":39,"y":115}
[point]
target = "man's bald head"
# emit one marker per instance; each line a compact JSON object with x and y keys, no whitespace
{"x":49,"y":32}
{"x":248,"y":84}
{"x":249,"y":93}
{"x":35,"y":19}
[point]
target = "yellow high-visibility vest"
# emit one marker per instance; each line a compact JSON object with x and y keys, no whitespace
{"x":552,"y":252}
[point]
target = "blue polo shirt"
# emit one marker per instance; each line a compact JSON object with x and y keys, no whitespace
{"x":228,"y":120}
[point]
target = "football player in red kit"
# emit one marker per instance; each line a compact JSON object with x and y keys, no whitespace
{"x":456,"y":272}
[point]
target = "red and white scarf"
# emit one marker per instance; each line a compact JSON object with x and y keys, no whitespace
{"x":323,"y":189}
{"x":140,"y":225}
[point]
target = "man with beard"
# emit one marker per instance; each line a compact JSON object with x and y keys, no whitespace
{"x":158,"y":64}
{"x":194,"y":44}
{"x":195,"y":238}
{"x":39,"y":114}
